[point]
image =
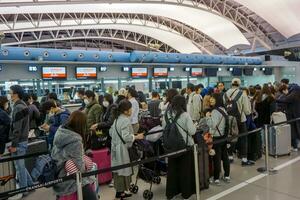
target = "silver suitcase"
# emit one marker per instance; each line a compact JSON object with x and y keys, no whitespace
{"x":7,"y":177}
{"x":280,"y":140}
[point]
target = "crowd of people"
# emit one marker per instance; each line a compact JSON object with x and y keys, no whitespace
{"x":118,"y":118}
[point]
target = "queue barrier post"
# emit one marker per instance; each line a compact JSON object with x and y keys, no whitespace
{"x":197,"y":174}
{"x":79,"y":185}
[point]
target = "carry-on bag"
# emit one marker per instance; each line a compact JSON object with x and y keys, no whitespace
{"x":280,"y":140}
{"x":103,"y":160}
{"x":203,"y":159}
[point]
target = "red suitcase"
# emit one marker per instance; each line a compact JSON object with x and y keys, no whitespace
{"x":103,"y":160}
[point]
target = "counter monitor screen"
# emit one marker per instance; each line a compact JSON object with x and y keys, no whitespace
{"x":268,"y":71}
{"x":237,"y":72}
{"x":139,"y":72}
{"x":160,"y":72}
{"x":86,"y":73}
{"x":196,"y":72}
{"x":211,"y":72}
{"x":248,"y":71}
{"x":54,"y":73}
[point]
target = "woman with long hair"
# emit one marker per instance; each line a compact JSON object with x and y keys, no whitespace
{"x":68,"y":145}
{"x":122,"y":138}
{"x":265,"y":106}
{"x":180,"y":177}
{"x":216,"y":120}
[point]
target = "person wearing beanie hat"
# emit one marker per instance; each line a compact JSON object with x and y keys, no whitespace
{"x":243,"y":110}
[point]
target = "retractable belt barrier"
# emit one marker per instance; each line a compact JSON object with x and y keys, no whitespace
{"x":132,"y":164}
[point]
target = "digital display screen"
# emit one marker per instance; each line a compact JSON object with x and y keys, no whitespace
{"x":51,"y":73}
{"x":160,"y":72}
{"x":177,"y":84}
{"x":196,"y":72}
{"x":211,"y":72}
{"x":268,"y":71}
{"x":86,"y":73}
{"x":139,"y":72}
{"x":237,"y":72}
{"x":248,"y":71}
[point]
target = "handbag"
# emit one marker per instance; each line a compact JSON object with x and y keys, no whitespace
{"x":133,"y":151}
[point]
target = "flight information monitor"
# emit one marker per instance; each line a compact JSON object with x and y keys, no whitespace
{"x":54,"y":73}
{"x":86,"y":73}
{"x":160,"y":72}
{"x":139,"y":72}
{"x":196,"y":72}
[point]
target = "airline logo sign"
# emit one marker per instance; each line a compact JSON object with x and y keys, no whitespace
{"x":54,"y":72}
{"x":139,"y":72}
{"x":83,"y":72}
{"x":160,"y":72}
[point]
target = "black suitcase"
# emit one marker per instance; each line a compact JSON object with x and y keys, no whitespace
{"x":34,"y":146}
{"x":203,"y":159}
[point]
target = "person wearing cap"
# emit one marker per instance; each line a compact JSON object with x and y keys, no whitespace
{"x":244,"y":108}
{"x":19,"y":134}
{"x":121,"y":95}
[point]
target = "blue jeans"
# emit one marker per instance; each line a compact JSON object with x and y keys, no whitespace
{"x":23,"y":176}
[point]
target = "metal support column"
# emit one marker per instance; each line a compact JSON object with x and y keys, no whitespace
{"x":79,"y":186}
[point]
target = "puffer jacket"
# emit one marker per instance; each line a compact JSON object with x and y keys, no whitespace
{"x":68,"y":145}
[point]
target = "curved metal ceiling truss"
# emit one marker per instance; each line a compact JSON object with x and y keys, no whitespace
{"x":87,"y":36}
{"x":256,"y":29}
{"x":202,"y":41}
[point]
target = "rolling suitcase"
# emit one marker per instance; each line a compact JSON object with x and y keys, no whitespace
{"x":34,"y":146}
{"x":203,"y":159}
{"x":280,"y":140}
{"x":7,"y":177}
{"x":103,"y":160}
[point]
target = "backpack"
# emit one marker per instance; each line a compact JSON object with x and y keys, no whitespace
{"x":172,"y":138}
{"x":231,"y":125}
{"x":231,"y":105}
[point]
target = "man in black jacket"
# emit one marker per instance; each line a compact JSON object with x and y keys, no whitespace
{"x":19,"y":134}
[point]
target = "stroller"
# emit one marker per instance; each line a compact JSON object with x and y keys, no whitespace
{"x":150,"y":172}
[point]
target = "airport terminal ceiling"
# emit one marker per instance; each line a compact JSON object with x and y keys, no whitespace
{"x":203,"y":26}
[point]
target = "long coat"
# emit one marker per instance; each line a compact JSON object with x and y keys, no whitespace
{"x":119,"y":151}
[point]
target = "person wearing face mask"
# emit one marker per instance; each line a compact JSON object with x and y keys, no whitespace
{"x":107,"y":118}
{"x":57,"y":117}
{"x":93,"y":109}
{"x":132,"y":96}
{"x":153,"y":105}
{"x":4,"y":123}
{"x":122,"y":135}
{"x":34,"y":113}
{"x":19,"y":136}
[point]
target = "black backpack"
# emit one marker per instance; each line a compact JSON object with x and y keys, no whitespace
{"x":172,"y":138}
{"x":231,"y":104}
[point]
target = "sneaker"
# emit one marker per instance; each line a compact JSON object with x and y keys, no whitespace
{"x":111,"y":184}
{"x":226,"y":179}
{"x":211,"y":180}
{"x":294,"y":149}
{"x":247,"y":163}
{"x":16,"y":197}
{"x":217,"y":182}
{"x":231,"y":160}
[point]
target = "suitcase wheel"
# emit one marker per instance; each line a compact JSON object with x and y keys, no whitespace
{"x":134,"y":188}
{"x":148,"y":195}
{"x":156,"y":180}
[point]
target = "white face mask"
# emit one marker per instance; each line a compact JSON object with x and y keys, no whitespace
{"x":8,"y":97}
{"x":105,"y":104}
{"x":164,"y":99}
{"x":86,"y":101}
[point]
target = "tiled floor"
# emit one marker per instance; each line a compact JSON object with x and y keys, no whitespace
{"x":282,"y":186}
